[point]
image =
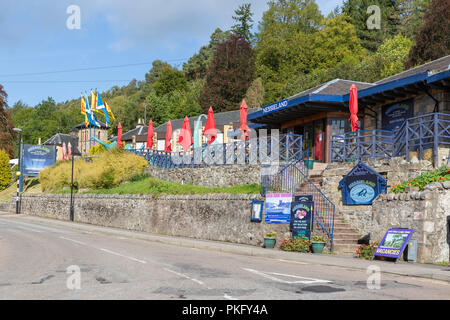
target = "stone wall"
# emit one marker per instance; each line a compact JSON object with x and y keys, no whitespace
{"x":221,"y":217}
{"x":218,"y":176}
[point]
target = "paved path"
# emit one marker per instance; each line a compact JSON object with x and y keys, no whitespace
{"x":36,"y":255}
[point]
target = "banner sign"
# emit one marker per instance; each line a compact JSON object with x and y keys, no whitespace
{"x":393,"y":116}
{"x":393,"y":243}
{"x":275,"y":106}
{"x":36,"y":158}
{"x":278,"y":207}
{"x":301,"y":219}
{"x":303,"y":198}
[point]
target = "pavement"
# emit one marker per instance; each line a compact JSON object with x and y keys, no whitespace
{"x":402,"y":268}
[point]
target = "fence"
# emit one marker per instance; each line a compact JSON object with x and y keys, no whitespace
{"x":282,"y":148}
{"x":416,"y":134}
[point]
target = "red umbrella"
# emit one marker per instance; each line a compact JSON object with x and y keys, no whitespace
{"x":185,"y":138}
{"x":69,"y":151}
{"x":119,"y":135}
{"x":353,"y":106}
{"x":210,"y":129}
{"x":244,"y":127}
{"x":64,"y":151}
{"x":168,"y":145}
{"x":150,"y":135}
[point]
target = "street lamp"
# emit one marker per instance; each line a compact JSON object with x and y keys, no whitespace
{"x":19,"y":173}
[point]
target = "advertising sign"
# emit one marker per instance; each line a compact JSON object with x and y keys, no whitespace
{"x":393,"y":243}
{"x":393,"y":116}
{"x":303,"y":198}
{"x":275,"y":106}
{"x":37,"y":158}
{"x":278,"y":207}
{"x":301,"y":218}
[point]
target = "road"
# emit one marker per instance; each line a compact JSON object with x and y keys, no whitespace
{"x":39,"y":260}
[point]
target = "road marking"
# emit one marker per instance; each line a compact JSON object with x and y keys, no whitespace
{"x":229,"y":297}
{"x":270,"y":275}
{"x":123,"y":256}
{"x":76,"y":241}
{"x":185,"y":276}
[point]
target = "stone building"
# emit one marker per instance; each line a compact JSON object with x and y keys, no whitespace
{"x":83,"y":135}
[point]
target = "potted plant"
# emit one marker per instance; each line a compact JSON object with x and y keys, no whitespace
{"x":269,"y":239}
{"x":318,"y":243}
{"x":309,"y":163}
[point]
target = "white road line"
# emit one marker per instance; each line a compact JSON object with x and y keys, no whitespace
{"x":76,"y":241}
{"x":228,"y":297}
{"x":270,"y":275}
{"x":123,"y":256}
{"x":185,"y":276}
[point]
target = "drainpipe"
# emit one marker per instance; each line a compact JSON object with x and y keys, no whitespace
{"x":436,"y":101}
{"x":373,"y":116}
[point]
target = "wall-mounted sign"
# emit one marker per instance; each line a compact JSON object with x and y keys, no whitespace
{"x":301,"y":218}
{"x":275,"y":106}
{"x":303,"y":198}
{"x":278,"y":207}
{"x":393,"y":116}
{"x":393,"y":243}
{"x":36,"y":158}
{"x":257,"y":211}
{"x":361,"y":185}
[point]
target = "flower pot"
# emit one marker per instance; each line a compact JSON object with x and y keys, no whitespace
{"x":269,"y":242}
{"x":317,"y":247}
{"x":309,"y":163}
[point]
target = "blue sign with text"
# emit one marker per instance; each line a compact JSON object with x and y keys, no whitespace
{"x":37,"y":158}
{"x":275,"y":106}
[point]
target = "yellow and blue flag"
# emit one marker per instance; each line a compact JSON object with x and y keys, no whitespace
{"x":90,"y":115}
{"x":83,"y":111}
{"x":101,"y":108}
{"x":109,"y":111}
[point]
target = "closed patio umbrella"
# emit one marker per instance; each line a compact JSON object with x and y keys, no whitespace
{"x":210,"y":128}
{"x":64,"y":151}
{"x":185,"y":138}
{"x":244,"y":127}
{"x":168,"y":144}
{"x":119,"y":135}
{"x":353,"y":106}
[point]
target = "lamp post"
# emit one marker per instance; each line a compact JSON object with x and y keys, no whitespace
{"x":19,"y":173}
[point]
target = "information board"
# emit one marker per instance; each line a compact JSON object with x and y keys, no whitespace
{"x":303,"y":198}
{"x":301,"y":218}
{"x":393,"y":243}
{"x":278,"y":207}
{"x":36,"y":158}
{"x":394,"y":116}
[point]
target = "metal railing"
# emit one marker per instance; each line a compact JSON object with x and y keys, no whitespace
{"x":416,"y":134}
{"x":293,"y":178}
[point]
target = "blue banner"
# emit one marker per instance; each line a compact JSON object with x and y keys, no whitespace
{"x":37,"y":157}
{"x":278,"y":208}
{"x":393,"y":116}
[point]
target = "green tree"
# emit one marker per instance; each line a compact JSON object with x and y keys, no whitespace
{"x":170,"y":80}
{"x":394,"y":51}
{"x":7,"y":135}
{"x":230,"y":74}
{"x":244,"y":21}
{"x":5,"y":170}
{"x":433,"y":38}
{"x":411,"y":14}
{"x":357,"y":11}
{"x":155,"y":71}
{"x":255,"y":94}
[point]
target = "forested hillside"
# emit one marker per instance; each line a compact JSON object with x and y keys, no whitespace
{"x":294,"y":48}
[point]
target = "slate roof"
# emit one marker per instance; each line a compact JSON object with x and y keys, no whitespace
{"x":61,"y":138}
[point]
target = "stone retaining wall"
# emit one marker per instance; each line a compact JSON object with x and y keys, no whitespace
{"x":222,"y":217}
{"x":218,"y":176}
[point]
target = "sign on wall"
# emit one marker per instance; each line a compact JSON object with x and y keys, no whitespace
{"x":278,"y":207}
{"x":394,"y":116}
{"x":361,"y":185}
{"x":275,"y":106}
{"x":301,"y":218}
{"x":393,"y":243}
{"x":37,"y":157}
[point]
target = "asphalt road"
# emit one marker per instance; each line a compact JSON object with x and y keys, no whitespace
{"x":41,"y":261}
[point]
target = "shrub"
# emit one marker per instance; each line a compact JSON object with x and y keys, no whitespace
{"x":298,"y":244}
{"x":109,"y":170}
{"x":366,"y":251}
{"x":439,"y":175}
{"x":318,"y":238}
{"x":5,"y":170}
{"x":271,"y":234}
{"x":98,"y":149}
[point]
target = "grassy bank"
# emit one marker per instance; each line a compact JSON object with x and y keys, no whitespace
{"x":29,"y":186}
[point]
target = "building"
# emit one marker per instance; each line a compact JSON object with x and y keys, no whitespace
{"x":321,"y":114}
{"x":83,"y":135}
{"x":59,"y":139}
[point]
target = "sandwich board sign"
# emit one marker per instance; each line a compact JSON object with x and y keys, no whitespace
{"x":393,"y":243}
{"x":301,"y":218}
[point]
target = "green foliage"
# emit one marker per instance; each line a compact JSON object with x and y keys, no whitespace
{"x":5,"y":170}
{"x":109,"y":170}
{"x":439,"y":175}
{"x":139,"y":177}
{"x":98,"y":149}
{"x":271,"y":234}
{"x":394,"y":52}
{"x":244,"y":21}
{"x":170,"y":80}
{"x":318,"y":238}
{"x":298,"y":244}
{"x":7,"y":135}
{"x":365,"y":251}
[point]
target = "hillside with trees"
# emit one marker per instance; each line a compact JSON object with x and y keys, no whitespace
{"x":294,"y":48}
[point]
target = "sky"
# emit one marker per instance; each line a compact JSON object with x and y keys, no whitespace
{"x":117,"y":40}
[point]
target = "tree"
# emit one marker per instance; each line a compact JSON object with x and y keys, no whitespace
{"x":5,"y":170}
{"x":7,"y":134}
{"x":433,"y":38}
{"x":244,"y":22}
{"x":155,"y":71}
{"x":411,"y":15}
{"x":394,"y":51}
{"x":230,"y":74}
{"x":170,"y":80}
{"x":357,"y":11}
{"x":255,"y":94}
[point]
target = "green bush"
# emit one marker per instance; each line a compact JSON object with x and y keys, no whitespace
{"x":109,"y":170}
{"x":298,"y":244}
{"x":5,"y":170}
{"x":439,"y":175}
{"x":366,"y":251}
